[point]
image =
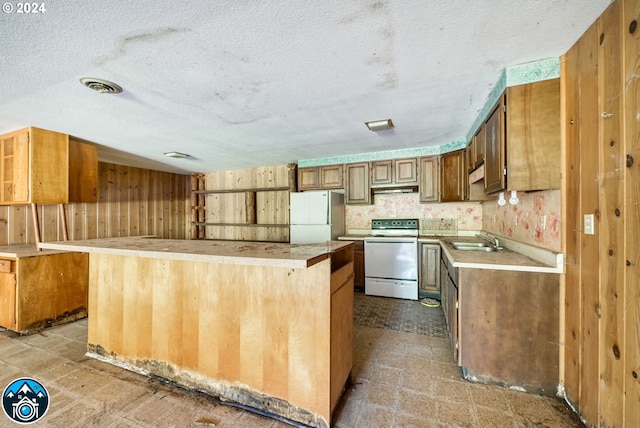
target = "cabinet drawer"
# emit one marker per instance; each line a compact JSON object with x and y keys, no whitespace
{"x":7,"y":265}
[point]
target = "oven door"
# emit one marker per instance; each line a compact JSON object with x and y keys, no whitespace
{"x":391,"y":258}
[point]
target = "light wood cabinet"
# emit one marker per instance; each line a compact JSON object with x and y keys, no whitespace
{"x":394,"y":172}
{"x":321,"y":177}
{"x":38,"y":291}
{"x":429,"y":186}
{"x":83,"y":172}
{"x":522,"y":139}
{"x":358,"y":184}
{"x":453,"y":176}
{"x":430,"y":269}
{"x":44,"y":167}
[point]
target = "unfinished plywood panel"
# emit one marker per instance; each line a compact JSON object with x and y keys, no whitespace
{"x":247,"y":333}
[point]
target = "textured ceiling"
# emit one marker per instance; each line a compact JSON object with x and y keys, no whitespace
{"x":239,"y":83}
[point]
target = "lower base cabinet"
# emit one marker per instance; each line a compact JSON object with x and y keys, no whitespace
{"x":430,"y":270}
{"x":42,"y":290}
{"x":503,"y":326}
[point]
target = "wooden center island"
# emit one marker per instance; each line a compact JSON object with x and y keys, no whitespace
{"x":268,"y":326}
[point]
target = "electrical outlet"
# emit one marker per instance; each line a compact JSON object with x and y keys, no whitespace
{"x":589,"y":227}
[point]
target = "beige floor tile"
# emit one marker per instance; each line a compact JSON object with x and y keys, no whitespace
{"x":400,"y":380}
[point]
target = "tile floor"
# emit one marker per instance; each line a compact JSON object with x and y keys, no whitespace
{"x":400,"y":379}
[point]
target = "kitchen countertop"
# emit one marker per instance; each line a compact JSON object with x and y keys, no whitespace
{"x":228,"y":252}
{"x":514,"y":256}
{"x":23,"y":250}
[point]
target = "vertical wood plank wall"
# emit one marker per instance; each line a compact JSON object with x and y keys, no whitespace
{"x":131,"y":202}
{"x":602,"y":160}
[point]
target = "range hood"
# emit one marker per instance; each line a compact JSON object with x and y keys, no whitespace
{"x":387,"y":190}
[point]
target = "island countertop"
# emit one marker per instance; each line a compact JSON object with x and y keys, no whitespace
{"x":227,"y":252}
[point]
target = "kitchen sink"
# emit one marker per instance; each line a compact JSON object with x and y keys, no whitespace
{"x":469,"y":244}
{"x":485,"y":248}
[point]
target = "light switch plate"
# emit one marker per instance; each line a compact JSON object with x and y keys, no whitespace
{"x":588,"y":224}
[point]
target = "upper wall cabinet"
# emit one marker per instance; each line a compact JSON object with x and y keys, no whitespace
{"x":533,"y":136}
{"x":394,"y":172}
{"x":35,"y":167}
{"x":321,"y":177}
{"x":522,"y":139}
{"x":358,"y":184}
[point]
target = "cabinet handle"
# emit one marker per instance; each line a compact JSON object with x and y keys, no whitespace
{"x":607,"y":115}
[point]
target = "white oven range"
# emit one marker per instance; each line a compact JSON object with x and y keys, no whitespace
{"x":391,"y":259}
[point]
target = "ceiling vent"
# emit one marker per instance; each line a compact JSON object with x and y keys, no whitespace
{"x":101,"y":85}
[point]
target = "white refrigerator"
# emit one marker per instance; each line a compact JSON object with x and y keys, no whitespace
{"x":316,"y":216}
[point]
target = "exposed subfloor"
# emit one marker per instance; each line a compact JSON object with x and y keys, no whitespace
{"x":400,"y":379}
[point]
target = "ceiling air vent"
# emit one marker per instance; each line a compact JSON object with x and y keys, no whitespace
{"x":101,"y":85}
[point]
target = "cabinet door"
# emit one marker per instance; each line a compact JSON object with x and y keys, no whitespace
{"x":480,"y":149}
{"x":331,"y":177}
{"x":406,"y":171}
{"x":452,"y":295}
{"x":358,"y":184}
{"x":308,"y":178}
{"x":83,"y":172}
{"x":381,"y":172}
{"x":429,"y":179}
{"x":8,"y":300}
{"x":14,"y":169}
{"x":452,"y":176}
{"x":495,"y":161}
{"x":358,"y":264}
{"x":533,"y":136}
{"x":430,"y":269}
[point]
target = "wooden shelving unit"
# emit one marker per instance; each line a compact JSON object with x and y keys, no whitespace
{"x":250,"y":204}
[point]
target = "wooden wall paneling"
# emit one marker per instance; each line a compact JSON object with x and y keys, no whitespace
{"x":21,"y":226}
{"x":123,"y":200}
{"x":49,"y":223}
{"x":573,"y":227}
{"x":631,"y":93}
{"x":101,"y":224}
{"x":144,"y":208}
{"x":612,"y":217}
{"x":135,"y":221}
{"x":4,"y":225}
{"x":589,"y":176}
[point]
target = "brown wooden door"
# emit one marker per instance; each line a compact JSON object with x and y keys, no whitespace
{"x":332,"y":177}
{"x":429,"y":185}
{"x":452,"y":176}
{"x":495,"y":160}
{"x":358,"y":184}
{"x":406,"y":171}
{"x":308,"y":178}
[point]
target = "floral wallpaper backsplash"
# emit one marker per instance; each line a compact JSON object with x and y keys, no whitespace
{"x":536,"y":219}
{"x":468,"y":215}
